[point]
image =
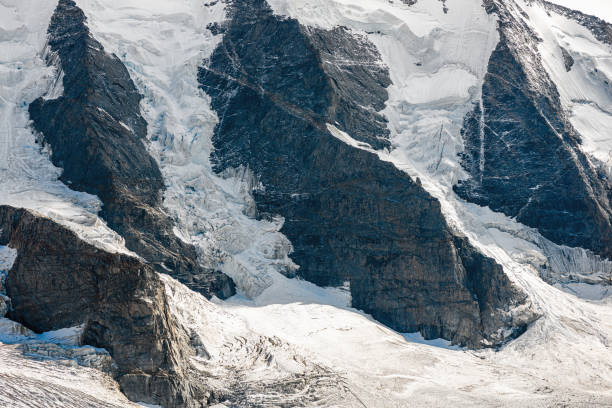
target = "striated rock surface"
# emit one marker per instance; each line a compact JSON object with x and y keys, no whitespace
{"x":523,"y":153}
{"x":350,"y":216}
{"x":60,"y":281}
{"x":97,"y":135}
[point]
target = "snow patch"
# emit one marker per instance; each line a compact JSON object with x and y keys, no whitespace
{"x":419,"y":339}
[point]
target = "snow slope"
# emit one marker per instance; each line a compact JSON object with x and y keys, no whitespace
{"x":316,"y":336}
{"x":45,"y":383}
{"x":598,"y":8}
{"x":28,"y":179}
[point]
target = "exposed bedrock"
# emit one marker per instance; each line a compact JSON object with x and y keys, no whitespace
{"x":97,"y":135}
{"x":523,"y":154}
{"x":350,"y":216}
{"x":60,"y":281}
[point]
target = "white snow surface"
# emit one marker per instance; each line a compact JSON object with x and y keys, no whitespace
{"x":381,"y":368}
{"x":45,"y":383}
{"x":28,"y":179}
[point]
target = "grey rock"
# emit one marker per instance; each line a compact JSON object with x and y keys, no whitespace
{"x":60,"y":281}
{"x":97,"y":136}
{"x":349,"y":215}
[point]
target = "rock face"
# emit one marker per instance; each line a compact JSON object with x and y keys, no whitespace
{"x":523,"y":153}
{"x":97,"y":136}
{"x":350,"y":216}
{"x":60,"y":281}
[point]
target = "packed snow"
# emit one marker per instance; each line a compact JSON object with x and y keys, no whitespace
{"x":381,"y":368}
{"x":54,"y":383}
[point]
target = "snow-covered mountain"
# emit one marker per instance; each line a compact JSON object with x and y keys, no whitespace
{"x":306,"y":203}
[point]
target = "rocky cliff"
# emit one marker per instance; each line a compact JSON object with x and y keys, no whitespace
{"x":59,"y":281}
{"x":97,"y":136}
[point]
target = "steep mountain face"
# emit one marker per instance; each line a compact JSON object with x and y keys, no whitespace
{"x":97,"y":135}
{"x":387,"y":183}
{"x":522,"y":151}
{"x":59,"y":281}
{"x":349,"y":215}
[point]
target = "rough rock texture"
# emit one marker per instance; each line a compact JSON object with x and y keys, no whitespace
{"x":532,"y":168}
{"x":350,"y":216}
{"x":97,"y":136}
{"x":60,"y":281}
{"x":568,"y":60}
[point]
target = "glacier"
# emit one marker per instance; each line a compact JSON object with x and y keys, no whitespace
{"x":304,"y":329}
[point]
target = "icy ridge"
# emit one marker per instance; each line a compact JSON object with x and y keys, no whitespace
{"x":422,"y":45}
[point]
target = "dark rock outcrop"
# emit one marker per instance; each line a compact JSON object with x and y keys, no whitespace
{"x":533,"y":168}
{"x":349,"y":215}
{"x":60,"y":281}
{"x":568,"y":60}
{"x":97,"y":136}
